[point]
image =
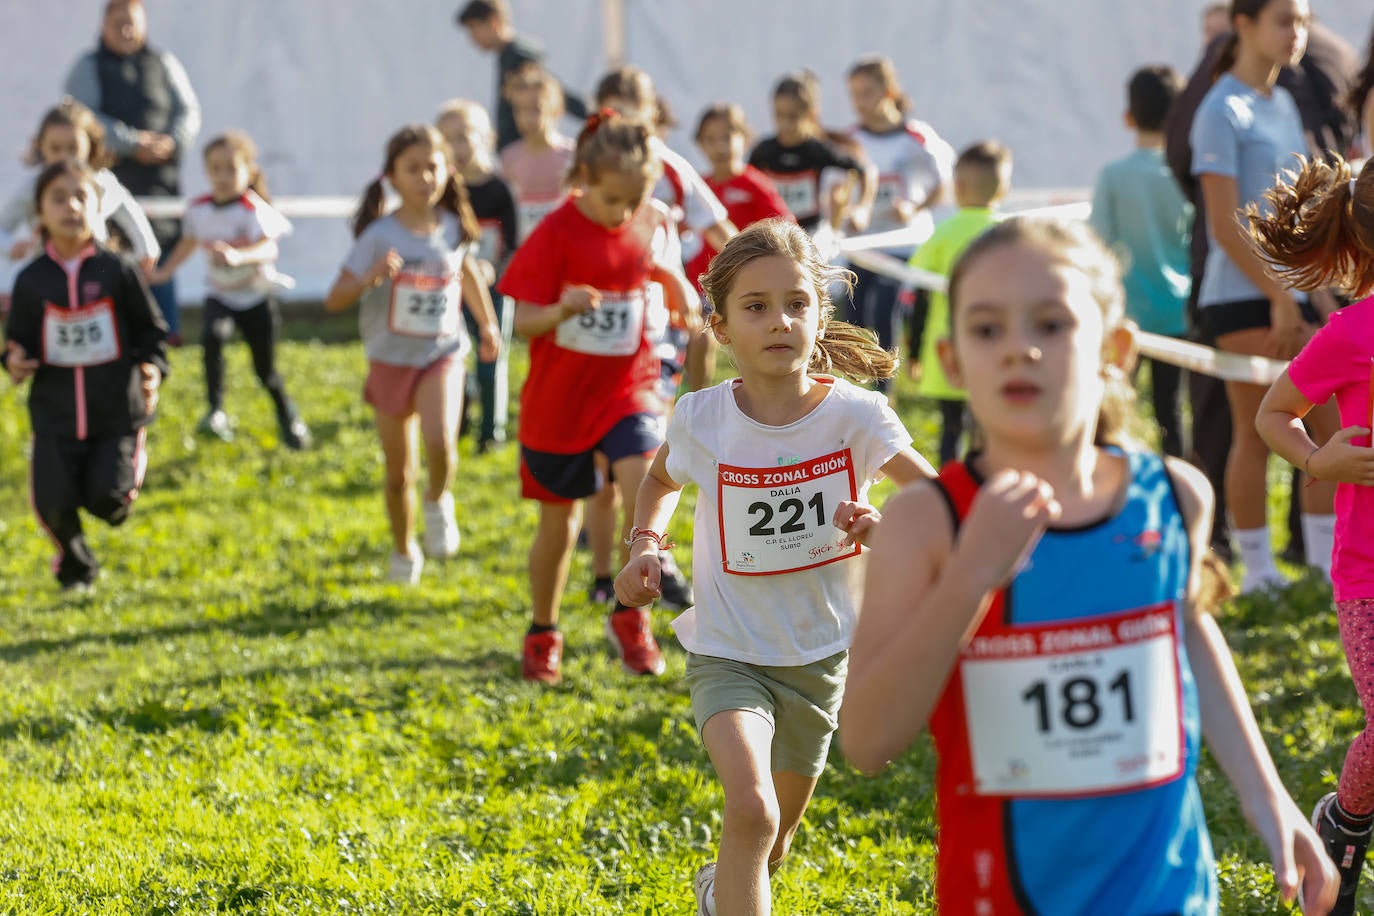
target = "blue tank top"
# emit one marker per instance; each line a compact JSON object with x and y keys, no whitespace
{"x":1082,"y":654}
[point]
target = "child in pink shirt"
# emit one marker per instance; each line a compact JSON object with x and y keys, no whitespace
{"x":536,"y":166}
{"x":1318,"y":233}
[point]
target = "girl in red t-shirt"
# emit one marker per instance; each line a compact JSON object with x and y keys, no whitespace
{"x":586,"y":285}
{"x":747,"y":193}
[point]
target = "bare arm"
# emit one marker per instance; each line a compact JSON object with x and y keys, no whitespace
{"x":1221,"y":196}
{"x":1233,"y":736}
{"x":907,"y":467}
{"x":720,"y":233}
{"x":186,"y":246}
{"x":1279,"y":422}
{"x":534,"y":320}
{"x":638,"y":583}
{"x":349,"y":286}
{"x":925,"y":595}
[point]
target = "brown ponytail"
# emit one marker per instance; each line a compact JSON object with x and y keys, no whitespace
{"x":455,"y":194}
{"x":842,"y":349}
{"x":1319,"y":232}
{"x":1227,"y":58}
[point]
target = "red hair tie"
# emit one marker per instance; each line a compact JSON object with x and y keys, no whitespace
{"x":596,"y":119}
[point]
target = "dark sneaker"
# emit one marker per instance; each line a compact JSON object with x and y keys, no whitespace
{"x":602,"y":590}
{"x":295,"y":435}
{"x":628,"y":630}
{"x":1346,"y":849}
{"x":216,"y":423}
{"x":674,"y":591}
{"x":542,"y":656}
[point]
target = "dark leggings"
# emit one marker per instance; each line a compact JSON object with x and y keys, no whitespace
{"x":874,"y":306}
{"x":1166,"y":381}
{"x":260,"y":325}
{"x":101,"y":475}
{"x":951,"y":429}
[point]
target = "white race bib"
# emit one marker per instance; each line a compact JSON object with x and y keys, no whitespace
{"x":532,"y":213}
{"x":1072,"y":709}
{"x":87,"y":336}
{"x":777,"y":520}
{"x":798,"y":191}
{"x":489,"y":242}
{"x":614,"y":328}
{"x":425,"y":305}
{"x":891,"y":188}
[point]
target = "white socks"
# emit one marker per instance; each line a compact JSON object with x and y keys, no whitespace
{"x":1318,"y":537}
{"x":1257,"y":553}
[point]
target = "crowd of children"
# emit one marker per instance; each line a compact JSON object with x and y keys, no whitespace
{"x":624,"y":268}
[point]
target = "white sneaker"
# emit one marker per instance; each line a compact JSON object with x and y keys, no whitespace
{"x":405,"y":567}
{"x":441,"y":529}
{"x":704,"y":886}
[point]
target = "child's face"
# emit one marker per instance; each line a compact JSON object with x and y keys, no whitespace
{"x":418,"y":174}
{"x":229,"y":173}
{"x":460,"y":137}
{"x":610,"y":199}
{"x":867,"y":95}
{"x":791,"y":119}
{"x":771,"y":318}
{"x":62,"y":141}
{"x":724,"y":148}
{"x":529,"y":116}
{"x":523,"y":89}
{"x":67,"y":210}
{"x":485,"y":33}
{"x":1028,"y":345}
{"x":1279,"y":33}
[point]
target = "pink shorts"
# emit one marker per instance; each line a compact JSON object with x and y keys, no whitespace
{"x":390,"y":389}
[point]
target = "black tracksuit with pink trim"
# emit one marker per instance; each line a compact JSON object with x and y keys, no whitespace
{"x":90,"y":325}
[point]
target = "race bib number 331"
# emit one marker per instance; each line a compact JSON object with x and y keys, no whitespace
{"x":777,"y":520}
{"x":1075,"y":708}
{"x":86,"y":336}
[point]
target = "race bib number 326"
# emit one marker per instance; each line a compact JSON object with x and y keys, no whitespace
{"x":87,"y":336}
{"x":1075,"y":708}
{"x":777,"y":520}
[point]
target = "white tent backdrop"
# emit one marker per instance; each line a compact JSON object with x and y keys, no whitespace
{"x":320,"y":84}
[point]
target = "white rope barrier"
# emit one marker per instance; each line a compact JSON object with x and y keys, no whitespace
{"x":865,"y":251}
{"x":1235,"y":367}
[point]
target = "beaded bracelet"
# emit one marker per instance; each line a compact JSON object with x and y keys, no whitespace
{"x":642,"y":534}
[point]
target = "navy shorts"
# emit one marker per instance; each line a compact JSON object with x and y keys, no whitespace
{"x":1229,"y":317}
{"x":552,"y":477}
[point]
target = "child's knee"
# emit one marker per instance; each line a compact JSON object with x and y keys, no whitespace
{"x":399,"y":480}
{"x":754,"y":813}
{"x":111,"y":508}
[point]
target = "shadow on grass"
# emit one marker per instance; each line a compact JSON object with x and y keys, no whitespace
{"x":276,"y":619}
{"x":156,"y":715}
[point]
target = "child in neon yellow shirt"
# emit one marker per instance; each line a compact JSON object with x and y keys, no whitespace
{"x":982,"y":177}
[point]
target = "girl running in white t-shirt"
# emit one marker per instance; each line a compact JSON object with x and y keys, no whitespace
{"x":238,"y":229}
{"x":783,"y":457}
{"x":914,"y":165}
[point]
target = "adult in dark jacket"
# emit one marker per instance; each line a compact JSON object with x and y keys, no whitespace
{"x":151,"y":116}
{"x":1319,"y":84}
{"x":488,"y":24}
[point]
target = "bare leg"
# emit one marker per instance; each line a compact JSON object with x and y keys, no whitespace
{"x":549,"y":557}
{"x":439,"y":402}
{"x":740,"y":745}
{"x":397,"y":435}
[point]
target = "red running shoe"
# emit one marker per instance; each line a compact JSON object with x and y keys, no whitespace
{"x":628,"y":630}
{"x":542,"y":656}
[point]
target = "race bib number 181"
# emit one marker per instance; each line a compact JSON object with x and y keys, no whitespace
{"x":1075,"y":708}
{"x":777,"y":520}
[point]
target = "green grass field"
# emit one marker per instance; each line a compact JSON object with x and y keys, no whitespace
{"x":244,"y":719}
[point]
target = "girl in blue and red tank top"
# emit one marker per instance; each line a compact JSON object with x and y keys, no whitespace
{"x":1052,"y":634}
